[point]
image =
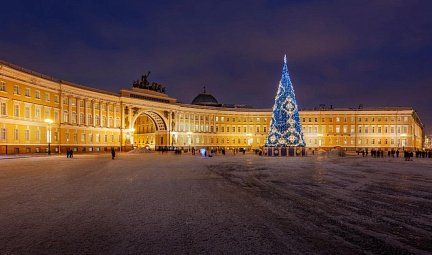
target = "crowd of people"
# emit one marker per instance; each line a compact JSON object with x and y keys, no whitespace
{"x":375,"y":153}
{"x":408,"y":155}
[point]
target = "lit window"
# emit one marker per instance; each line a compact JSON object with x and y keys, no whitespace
{"x":3,"y":134}
{"x":3,"y":108}
{"x":27,"y":135}
{"x":65,"y":116}
{"x":16,"y":110}
{"x":16,"y":90}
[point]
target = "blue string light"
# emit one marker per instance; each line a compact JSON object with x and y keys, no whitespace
{"x":285,"y":126}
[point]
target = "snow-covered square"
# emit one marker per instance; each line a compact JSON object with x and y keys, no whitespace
{"x":165,"y":204}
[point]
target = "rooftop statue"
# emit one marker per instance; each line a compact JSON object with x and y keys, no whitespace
{"x":145,"y":84}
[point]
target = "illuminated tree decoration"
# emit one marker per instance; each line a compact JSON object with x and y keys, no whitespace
{"x":285,"y":126}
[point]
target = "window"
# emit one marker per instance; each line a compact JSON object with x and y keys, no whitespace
{"x":37,"y":113}
{"x":3,"y":108}
{"x":2,"y":86}
{"x":83,"y":137}
{"x":16,"y":90}
{"x":16,"y":134}
{"x":74,"y":117}
{"x":65,"y":116}
{"x":27,"y":135}
{"x":16,"y":110}
{"x":47,"y":113}
{"x":38,"y":137}
{"x":47,"y":97}
{"x":27,"y":112}
{"x":56,"y":99}
{"x":37,"y":94}
{"x":27,"y":92}
{"x":56,"y":116}
{"x":3,"y":134}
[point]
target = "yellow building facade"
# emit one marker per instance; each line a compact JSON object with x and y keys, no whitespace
{"x":37,"y":110}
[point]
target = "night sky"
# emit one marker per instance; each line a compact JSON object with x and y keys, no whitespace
{"x":344,"y":53}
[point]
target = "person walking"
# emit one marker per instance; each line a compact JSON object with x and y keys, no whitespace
{"x":113,"y":153}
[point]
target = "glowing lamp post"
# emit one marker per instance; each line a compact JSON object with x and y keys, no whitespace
{"x":49,"y":122}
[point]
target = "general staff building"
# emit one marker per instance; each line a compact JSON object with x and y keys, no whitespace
{"x":37,"y":110}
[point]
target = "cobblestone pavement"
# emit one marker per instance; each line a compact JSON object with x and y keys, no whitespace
{"x":167,"y":204}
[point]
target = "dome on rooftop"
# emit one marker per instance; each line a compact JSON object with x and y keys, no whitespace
{"x":205,"y":99}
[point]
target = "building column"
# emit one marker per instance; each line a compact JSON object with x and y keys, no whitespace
{"x":70,"y":109}
{"x":78,"y":111}
{"x":130,"y":116}
{"x":114,"y":114}
{"x":93,"y":112}
{"x":86,"y":111}
{"x":107,"y":107}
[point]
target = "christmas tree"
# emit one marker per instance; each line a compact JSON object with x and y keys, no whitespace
{"x":285,"y":126}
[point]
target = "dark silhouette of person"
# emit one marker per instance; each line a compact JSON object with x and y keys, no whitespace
{"x":113,"y":153}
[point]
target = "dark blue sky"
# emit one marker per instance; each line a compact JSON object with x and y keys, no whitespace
{"x":378,"y":53}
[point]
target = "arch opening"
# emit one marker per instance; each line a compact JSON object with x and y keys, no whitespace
{"x":149,"y":130}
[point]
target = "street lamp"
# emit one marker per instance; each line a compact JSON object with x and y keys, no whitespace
{"x":49,"y":122}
